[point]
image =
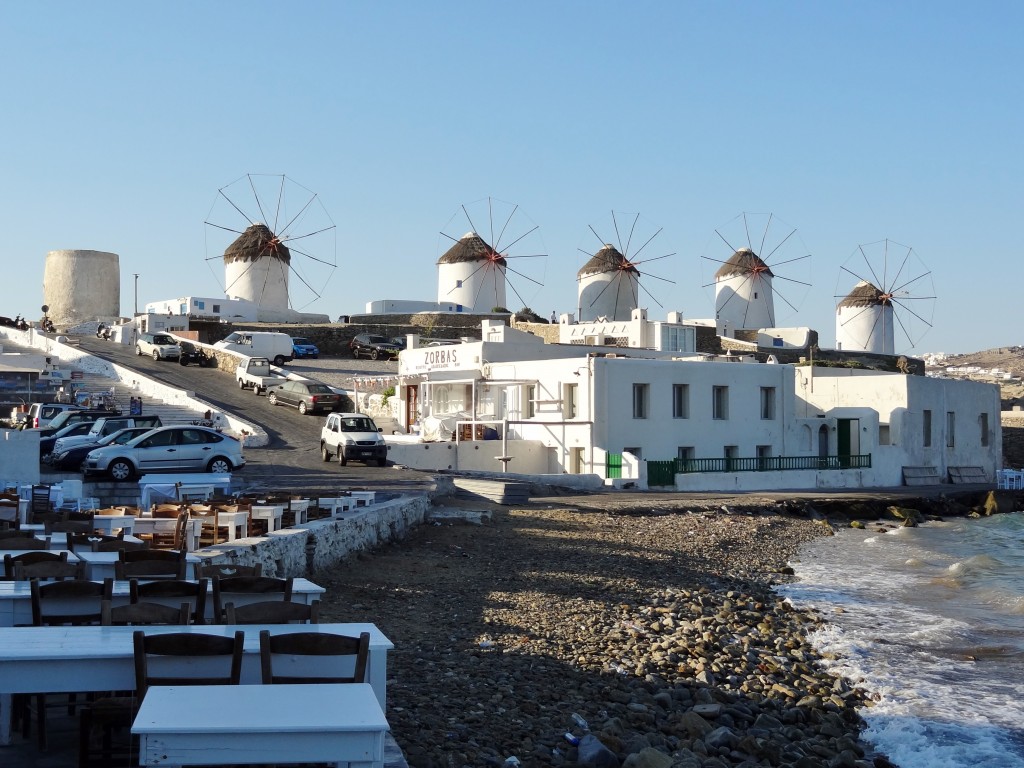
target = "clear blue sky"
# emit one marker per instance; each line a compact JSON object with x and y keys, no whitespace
{"x":852,"y":122}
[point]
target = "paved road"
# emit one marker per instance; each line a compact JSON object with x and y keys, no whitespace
{"x":292,"y":458}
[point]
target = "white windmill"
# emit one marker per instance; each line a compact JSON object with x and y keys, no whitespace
{"x":745,"y":292}
{"x":894,"y":291}
{"x":473,"y":272}
{"x":609,"y":282}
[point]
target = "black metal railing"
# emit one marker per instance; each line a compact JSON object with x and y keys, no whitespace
{"x":774,"y":463}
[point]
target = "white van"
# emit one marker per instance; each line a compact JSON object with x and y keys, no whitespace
{"x":276,"y":347}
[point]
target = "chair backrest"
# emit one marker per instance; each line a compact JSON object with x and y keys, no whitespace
{"x":173,"y":592}
{"x":139,"y":614}
{"x":30,"y":558}
{"x":23,"y":541}
{"x":111,"y":512}
{"x":118,"y":544}
{"x":212,"y":659}
{"x":68,"y":526}
{"x":273,"y":612}
{"x":69,"y":602}
{"x":313,"y":657}
{"x":12,"y":533}
{"x":227,"y":591}
{"x":49,"y":570}
{"x":151,"y":564}
{"x":165,"y":511}
{"x":40,"y":499}
{"x":227,"y":570}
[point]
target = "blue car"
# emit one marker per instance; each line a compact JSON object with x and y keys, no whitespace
{"x":304,"y":348}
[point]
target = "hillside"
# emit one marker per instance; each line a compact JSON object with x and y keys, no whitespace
{"x":1010,"y":360}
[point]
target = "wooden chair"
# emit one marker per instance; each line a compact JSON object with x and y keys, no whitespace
{"x":23,"y":541}
{"x":12,"y":533}
{"x":273,"y":612}
{"x":174,"y":538}
{"x":118,"y":544}
{"x":69,"y":526}
{"x":173,"y":593}
{"x":228,"y":570}
{"x":151,"y":564}
{"x":155,"y":657}
{"x":62,"y":603}
{"x":140,"y":614}
{"x":39,"y":510}
{"x":313,"y":652}
{"x":11,"y":562}
{"x":212,"y":530}
{"x":263,"y":587}
{"x":9,"y":517}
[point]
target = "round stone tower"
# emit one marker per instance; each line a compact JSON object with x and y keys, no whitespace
{"x":471,"y":273}
{"x":81,"y":285}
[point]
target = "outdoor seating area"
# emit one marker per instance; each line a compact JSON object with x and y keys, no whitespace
{"x":157,"y":663}
{"x":1010,"y":479}
{"x":189,"y":522}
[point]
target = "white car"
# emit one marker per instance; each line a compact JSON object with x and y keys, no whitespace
{"x":167,"y":449}
{"x":159,"y":346}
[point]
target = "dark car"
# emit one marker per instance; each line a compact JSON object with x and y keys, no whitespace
{"x":69,"y":430}
{"x":71,"y":459}
{"x":307,"y":396}
{"x":66,"y":418}
{"x":373,"y":346}
{"x":192,"y":354}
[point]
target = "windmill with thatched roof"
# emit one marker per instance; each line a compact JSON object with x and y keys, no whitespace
{"x":743,"y":292}
{"x":864,"y":320}
{"x":609,"y":286}
{"x":256,"y":267}
{"x":472,"y":273}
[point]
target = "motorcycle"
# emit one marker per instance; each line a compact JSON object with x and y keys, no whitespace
{"x":103,"y":331}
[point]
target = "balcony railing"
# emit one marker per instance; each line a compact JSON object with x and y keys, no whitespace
{"x":774,"y":463}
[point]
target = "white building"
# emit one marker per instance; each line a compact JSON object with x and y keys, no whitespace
{"x":227,"y":309}
{"x":864,"y":321}
{"x":697,"y":423}
{"x":609,"y":286}
{"x":669,"y":335}
{"x":743,"y":293}
{"x":472,"y":274}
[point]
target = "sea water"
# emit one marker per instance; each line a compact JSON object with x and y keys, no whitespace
{"x":930,"y":621}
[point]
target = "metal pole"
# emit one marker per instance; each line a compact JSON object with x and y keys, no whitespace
{"x":136,"y":294}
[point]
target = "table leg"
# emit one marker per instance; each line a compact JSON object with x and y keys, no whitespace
{"x":6,"y":713}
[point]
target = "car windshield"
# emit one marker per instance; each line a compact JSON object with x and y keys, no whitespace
{"x":319,"y":389}
{"x":361,"y":424}
{"x":302,"y":342}
{"x":161,"y":339}
{"x":122,"y":437}
{"x":376,"y":340}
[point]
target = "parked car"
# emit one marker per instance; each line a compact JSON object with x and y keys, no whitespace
{"x":46,"y":444}
{"x":103,"y":427}
{"x":373,"y":346}
{"x":189,"y":353}
{"x":64,"y":418}
{"x":307,"y":396}
{"x":159,"y":346}
{"x":273,"y":345}
{"x":398,"y":341}
{"x":167,"y":449}
{"x":40,"y":414}
{"x":70,"y":459}
{"x":352,"y":436}
{"x":302,"y":347}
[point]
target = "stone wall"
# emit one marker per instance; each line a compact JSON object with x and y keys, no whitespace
{"x":302,"y":550}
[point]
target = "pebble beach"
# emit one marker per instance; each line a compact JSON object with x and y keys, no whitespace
{"x":560,"y":636}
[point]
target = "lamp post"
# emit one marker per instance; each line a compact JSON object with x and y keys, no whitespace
{"x":136,"y":294}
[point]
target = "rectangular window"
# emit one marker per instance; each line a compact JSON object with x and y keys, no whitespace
{"x":950,"y":429}
{"x":216,"y":309}
{"x":570,"y":392}
{"x":764,"y":453}
{"x":720,"y":402}
{"x":530,"y":406}
{"x":732,"y":452}
{"x":640,"y":401}
{"x":768,"y":402}
{"x":926,"y":422}
{"x":680,"y":401}
{"x":883,"y":435}
{"x":983,"y":424}
{"x":684,"y":456}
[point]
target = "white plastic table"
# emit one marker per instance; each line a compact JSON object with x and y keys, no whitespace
{"x":272,"y":513}
{"x":100,"y":565}
{"x":229,"y":724}
{"x":82,"y":659}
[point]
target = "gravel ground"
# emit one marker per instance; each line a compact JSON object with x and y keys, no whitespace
{"x":658,"y":630}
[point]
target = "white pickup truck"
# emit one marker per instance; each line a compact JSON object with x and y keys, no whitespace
{"x":352,"y":436}
{"x":254,"y":373}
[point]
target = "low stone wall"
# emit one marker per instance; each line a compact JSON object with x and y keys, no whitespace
{"x":302,"y":550}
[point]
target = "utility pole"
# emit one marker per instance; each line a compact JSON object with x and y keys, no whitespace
{"x":136,"y":294}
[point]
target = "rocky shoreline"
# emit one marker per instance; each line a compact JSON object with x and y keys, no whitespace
{"x":659,"y":630}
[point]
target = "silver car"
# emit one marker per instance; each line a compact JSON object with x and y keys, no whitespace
{"x":159,"y":346}
{"x":167,"y":449}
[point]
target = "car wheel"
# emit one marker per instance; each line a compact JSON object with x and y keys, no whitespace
{"x":272,"y":398}
{"x":341,"y":456}
{"x":241,"y":384}
{"x":156,"y":354}
{"x":279,"y":361}
{"x":121,"y":469}
{"x":316,"y":357}
{"x":355,"y":352}
{"x":374,"y":354}
{"x":182,"y":361}
{"x":325,"y":454}
{"x":219,"y":465}
{"x":138,"y":350}
{"x":382,"y":462}
{"x":302,"y":409}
